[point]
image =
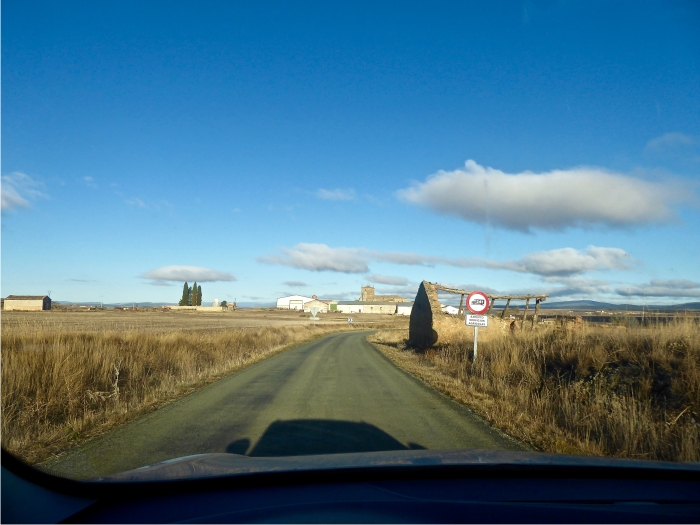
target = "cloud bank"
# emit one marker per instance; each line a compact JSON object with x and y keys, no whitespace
{"x":555,"y":200}
{"x":662,"y":288}
{"x":320,"y":257}
{"x":560,"y":262}
{"x":187,"y":273}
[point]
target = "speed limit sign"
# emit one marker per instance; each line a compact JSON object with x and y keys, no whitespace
{"x":478,"y":303}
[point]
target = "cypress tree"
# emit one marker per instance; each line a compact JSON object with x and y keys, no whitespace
{"x":185,"y":295}
{"x":199,"y":295}
{"x":194,"y":294}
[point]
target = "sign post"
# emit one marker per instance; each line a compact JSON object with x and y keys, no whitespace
{"x":478,"y":304}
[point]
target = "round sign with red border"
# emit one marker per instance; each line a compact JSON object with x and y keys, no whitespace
{"x":478,"y":303}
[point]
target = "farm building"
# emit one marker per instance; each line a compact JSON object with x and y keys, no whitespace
{"x":366,"y":307}
{"x":323,"y":306}
{"x":447,"y":309}
{"x":404,"y":308}
{"x":27,"y":302}
{"x":293,"y":302}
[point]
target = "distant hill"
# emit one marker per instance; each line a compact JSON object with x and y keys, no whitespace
{"x":112,"y":305}
{"x":596,"y":305}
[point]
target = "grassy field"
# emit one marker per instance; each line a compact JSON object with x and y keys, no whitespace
{"x":596,"y":390}
{"x":69,"y":376}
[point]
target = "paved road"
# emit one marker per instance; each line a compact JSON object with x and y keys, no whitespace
{"x":337,"y":394}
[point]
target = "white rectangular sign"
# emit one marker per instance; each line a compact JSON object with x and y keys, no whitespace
{"x":476,"y":320}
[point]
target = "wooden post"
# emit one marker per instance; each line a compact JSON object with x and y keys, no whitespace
{"x":527,"y":305}
{"x":491,"y":301}
{"x":537,"y":312}
{"x":461,"y":300}
{"x":503,"y":313}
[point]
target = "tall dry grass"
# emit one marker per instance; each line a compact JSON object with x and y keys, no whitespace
{"x":598,"y":390}
{"x":60,"y":386}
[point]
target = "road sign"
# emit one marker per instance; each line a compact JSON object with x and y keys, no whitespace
{"x":476,"y":320}
{"x":478,"y":303}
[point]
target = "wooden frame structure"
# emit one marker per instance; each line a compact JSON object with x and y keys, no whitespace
{"x":492,"y":298}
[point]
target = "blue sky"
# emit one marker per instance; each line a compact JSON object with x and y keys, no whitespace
{"x":266,"y":149}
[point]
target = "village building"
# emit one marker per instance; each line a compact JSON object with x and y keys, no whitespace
{"x":366,"y":307}
{"x":404,"y":308}
{"x":293,"y":302}
{"x":29,"y":303}
{"x":369,"y":296}
{"x":323,"y":306}
{"x":451,"y":310}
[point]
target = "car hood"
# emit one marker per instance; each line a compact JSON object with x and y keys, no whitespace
{"x":224,"y":465}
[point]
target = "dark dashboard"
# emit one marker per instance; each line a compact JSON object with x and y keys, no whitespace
{"x":399,"y":487}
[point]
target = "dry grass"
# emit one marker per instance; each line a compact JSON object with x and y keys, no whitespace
{"x":61,"y":385}
{"x":598,"y":390}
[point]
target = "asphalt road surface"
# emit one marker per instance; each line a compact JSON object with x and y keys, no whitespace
{"x":337,"y":394}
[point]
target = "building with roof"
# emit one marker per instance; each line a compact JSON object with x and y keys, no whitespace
{"x":366,"y":307}
{"x":323,"y":306}
{"x":27,"y":303}
{"x":448,"y":309}
{"x":369,"y":296}
{"x":404,"y":308}
{"x":293,"y":302}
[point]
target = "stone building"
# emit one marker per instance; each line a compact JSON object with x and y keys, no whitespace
{"x":368,"y":296}
{"x":28,"y":303}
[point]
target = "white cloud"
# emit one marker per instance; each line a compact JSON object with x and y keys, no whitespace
{"x":568,"y":261}
{"x":17,"y":187}
{"x":577,"y":286}
{"x":662,"y":288}
{"x":564,"y":261}
{"x":336,"y":195}
{"x":295,"y":284}
{"x":136,"y":202}
{"x":187,"y":273}
{"x":11,"y":199}
{"x":320,"y":257}
{"x":90,"y":182}
{"x":671,"y":140}
{"x":387,"y":279}
{"x":554,"y":200}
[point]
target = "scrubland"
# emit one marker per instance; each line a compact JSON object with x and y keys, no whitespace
{"x":594,"y":390}
{"x":65,"y":382}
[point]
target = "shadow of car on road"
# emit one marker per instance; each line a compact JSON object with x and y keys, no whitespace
{"x":305,"y":437}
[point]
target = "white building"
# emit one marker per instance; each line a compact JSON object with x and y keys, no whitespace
{"x":404,"y":308}
{"x":293,"y":302}
{"x":27,"y":302}
{"x":452,"y":310}
{"x":323,"y":306}
{"x":366,"y":307}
